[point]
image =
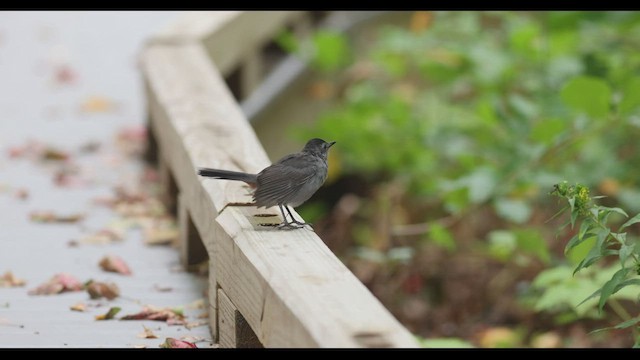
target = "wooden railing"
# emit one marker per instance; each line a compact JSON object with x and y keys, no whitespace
{"x":266,"y":287}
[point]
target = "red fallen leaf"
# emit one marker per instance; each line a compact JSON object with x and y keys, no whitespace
{"x":9,"y":280}
{"x":132,"y":140}
{"x":97,"y":290}
{"x":21,"y":194}
{"x":64,"y":74}
{"x":59,"y":283}
{"x":22,"y":150}
{"x":171,"y":343}
{"x":113,"y":263}
{"x":109,"y":315}
{"x":51,"y":217}
{"x":170,"y":316}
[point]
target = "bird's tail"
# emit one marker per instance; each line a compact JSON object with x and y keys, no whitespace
{"x":228,"y":175}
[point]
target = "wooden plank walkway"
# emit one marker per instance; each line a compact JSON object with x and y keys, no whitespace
{"x":69,"y":87}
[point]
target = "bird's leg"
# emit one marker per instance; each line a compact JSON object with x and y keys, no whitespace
{"x":286,"y":224}
{"x":293,"y":220}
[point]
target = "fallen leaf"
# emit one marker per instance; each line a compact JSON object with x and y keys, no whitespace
{"x":97,"y":104}
{"x":109,"y":315}
{"x":194,"y":324}
{"x":82,"y":307}
{"x":204,"y":315}
{"x":89,"y":147}
{"x":132,"y":141}
{"x":97,"y":290}
{"x":192,"y":339}
{"x":147,"y":333}
{"x":22,"y":194}
{"x":103,"y":236}
{"x":170,"y":316}
{"x":161,"y":232}
{"x":64,"y":75}
{"x":171,"y":343}
{"x":113,"y":263}
{"x":51,"y":217}
{"x":9,"y":280}
{"x":53,"y":154}
{"x":159,"y":288}
{"x":59,"y":283}
{"x":196,"y":304}
{"x":70,"y":176}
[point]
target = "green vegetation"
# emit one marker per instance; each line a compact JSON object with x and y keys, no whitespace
{"x":451,"y":133}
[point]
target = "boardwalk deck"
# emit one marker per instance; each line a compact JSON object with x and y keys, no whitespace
{"x":65,"y":84}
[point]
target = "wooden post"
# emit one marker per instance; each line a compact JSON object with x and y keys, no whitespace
{"x":234,"y":329}
{"x":192,"y":250}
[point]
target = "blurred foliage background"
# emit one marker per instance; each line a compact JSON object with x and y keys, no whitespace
{"x":451,"y":131}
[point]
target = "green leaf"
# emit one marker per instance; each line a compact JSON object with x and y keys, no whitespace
{"x":628,"y":323}
{"x":582,"y":236}
{"x":443,"y":343}
{"x":630,"y":95}
{"x":515,"y":210}
{"x":615,"y":209}
{"x":331,"y":50}
{"x":531,"y":241}
{"x":633,"y":220}
{"x":611,"y":286}
{"x":584,"y":227}
{"x":587,"y":94}
{"x":594,"y":255}
{"x":625,"y":251}
{"x":622,"y":325}
{"x":502,"y":244}
{"x":287,"y":40}
{"x":548,"y":130}
{"x":597,"y":251}
{"x":619,"y":287}
{"x":441,"y":236}
{"x":621,"y":237}
{"x":481,"y":184}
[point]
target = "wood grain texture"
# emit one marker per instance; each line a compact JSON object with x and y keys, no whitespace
{"x":294,"y":292}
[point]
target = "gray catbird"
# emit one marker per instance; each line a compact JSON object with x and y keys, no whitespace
{"x":289,"y":182}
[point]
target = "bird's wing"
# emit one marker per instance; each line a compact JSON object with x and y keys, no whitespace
{"x":280,"y":182}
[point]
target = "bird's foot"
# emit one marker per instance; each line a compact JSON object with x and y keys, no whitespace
{"x":293,"y":225}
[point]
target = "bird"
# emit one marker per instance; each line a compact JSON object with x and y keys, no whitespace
{"x":290,"y":181}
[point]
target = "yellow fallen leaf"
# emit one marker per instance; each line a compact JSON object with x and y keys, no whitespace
{"x":82,"y":307}
{"x":97,"y":104}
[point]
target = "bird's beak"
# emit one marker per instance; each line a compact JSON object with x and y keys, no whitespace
{"x":331,"y":144}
